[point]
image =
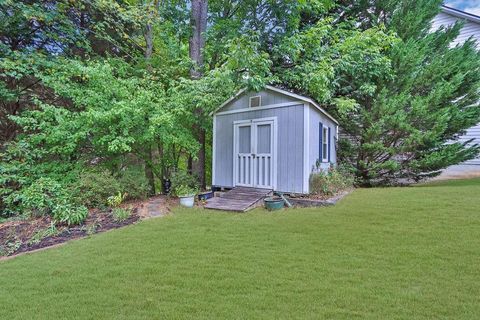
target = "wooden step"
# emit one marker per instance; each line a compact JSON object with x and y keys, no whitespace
{"x":239,"y":199}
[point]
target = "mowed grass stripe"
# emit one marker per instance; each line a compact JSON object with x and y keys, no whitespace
{"x":384,"y":253}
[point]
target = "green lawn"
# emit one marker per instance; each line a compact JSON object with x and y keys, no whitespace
{"x":397,"y":253}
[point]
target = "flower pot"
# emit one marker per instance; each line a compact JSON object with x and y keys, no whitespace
{"x":274,"y":203}
{"x":187,"y":201}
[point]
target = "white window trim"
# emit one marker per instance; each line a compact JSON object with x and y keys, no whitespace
{"x":259,"y":101}
{"x":325,"y":142}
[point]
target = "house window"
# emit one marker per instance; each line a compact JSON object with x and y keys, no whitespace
{"x":255,"y":101}
{"x":325,"y":144}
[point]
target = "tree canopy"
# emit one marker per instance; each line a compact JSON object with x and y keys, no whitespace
{"x":107,"y":84}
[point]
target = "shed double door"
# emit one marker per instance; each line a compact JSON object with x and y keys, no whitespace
{"x":254,"y":142}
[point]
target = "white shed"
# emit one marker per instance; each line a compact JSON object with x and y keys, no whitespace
{"x":272,"y":139}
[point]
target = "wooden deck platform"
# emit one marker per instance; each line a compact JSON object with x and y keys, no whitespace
{"x":239,"y":199}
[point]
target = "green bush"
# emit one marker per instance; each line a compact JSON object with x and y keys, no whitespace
{"x":181,"y":180}
{"x":94,"y":187}
{"x":121,"y":214}
{"x":330,"y":182}
{"x":40,"y":198}
{"x":47,"y":197}
{"x":134,"y":184}
{"x":185,"y":191}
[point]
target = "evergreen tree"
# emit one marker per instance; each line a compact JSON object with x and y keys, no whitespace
{"x":403,"y":94}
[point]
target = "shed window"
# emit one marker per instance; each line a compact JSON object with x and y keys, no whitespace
{"x":255,"y":101}
{"x":325,"y":149}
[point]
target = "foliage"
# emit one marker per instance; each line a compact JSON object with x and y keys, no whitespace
{"x":47,"y":197}
{"x":184,"y":180}
{"x":94,"y":187}
{"x":121,"y":214}
{"x":43,"y":233}
{"x":185,"y":190}
{"x":133,"y":183}
{"x":407,"y":116}
{"x":116,"y":200}
{"x":331,"y":181}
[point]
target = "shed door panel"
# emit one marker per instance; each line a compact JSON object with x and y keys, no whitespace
{"x":253,"y":156}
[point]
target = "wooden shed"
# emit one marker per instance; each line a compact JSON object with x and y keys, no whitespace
{"x":272,"y":139}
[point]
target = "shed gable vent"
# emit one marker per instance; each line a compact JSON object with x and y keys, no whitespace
{"x":255,"y":101}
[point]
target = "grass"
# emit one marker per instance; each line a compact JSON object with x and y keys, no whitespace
{"x":397,"y":253}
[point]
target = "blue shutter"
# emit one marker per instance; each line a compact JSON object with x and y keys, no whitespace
{"x":328,"y":143}
{"x":320,"y":147}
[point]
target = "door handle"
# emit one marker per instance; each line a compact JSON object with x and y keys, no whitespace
{"x":253,"y":155}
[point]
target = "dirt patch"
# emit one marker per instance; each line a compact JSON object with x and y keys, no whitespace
{"x":21,"y":236}
{"x":33,"y":234}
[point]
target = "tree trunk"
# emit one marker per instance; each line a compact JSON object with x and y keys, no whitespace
{"x":198,"y":166}
{"x":148,"y":35}
{"x":198,"y":20}
{"x":149,"y":172}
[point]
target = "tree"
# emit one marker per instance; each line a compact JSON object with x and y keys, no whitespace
{"x":402,"y":94}
{"x":197,"y":46}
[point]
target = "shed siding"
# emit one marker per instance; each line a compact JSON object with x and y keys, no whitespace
{"x":289,"y":146}
{"x":268,"y":98}
{"x":470,"y":29}
{"x":315,"y":118}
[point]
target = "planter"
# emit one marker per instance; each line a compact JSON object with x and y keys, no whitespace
{"x":205,"y":195}
{"x":273,"y":204}
{"x":187,"y":201}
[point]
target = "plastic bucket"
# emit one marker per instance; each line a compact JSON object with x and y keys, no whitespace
{"x":273,"y":204}
{"x":187,"y":201}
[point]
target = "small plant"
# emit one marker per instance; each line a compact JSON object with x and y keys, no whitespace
{"x":70,"y":214}
{"x":182,"y":180}
{"x":184,"y":190}
{"x":330,"y":182}
{"x":10,"y":247}
{"x":42,"y":234}
{"x":116,"y":201}
{"x":121,"y":214}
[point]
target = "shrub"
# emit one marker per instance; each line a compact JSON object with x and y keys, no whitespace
{"x":40,"y":198}
{"x":331,"y":181}
{"x":134,"y":184}
{"x":48,"y":197}
{"x":94,"y":187}
{"x":121,"y":214}
{"x":116,"y":201}
{"x":184,"y":190}
{"x":182,"y":180}
{"x":70,"y":214}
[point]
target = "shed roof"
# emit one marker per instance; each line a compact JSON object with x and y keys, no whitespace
{"x":285,"y":92}
{"x":461,"y":14}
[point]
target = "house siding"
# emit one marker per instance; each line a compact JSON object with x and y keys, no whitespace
{"x":314,"y":142}
{"x":289,"y":143}
{"x":268,"y":98}
{"x":470,"y":29}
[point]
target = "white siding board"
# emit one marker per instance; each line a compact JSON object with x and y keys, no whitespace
{"x":315,"y":118}
{"x":268,"y":98}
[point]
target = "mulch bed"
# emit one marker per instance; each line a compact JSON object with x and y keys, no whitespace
{"x":317,"y":200}
{"x":16,"y":236}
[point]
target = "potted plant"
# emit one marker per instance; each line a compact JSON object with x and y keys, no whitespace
{"x":186,"y":195}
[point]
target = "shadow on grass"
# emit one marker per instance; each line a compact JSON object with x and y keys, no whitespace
{"x":452,"y":183}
